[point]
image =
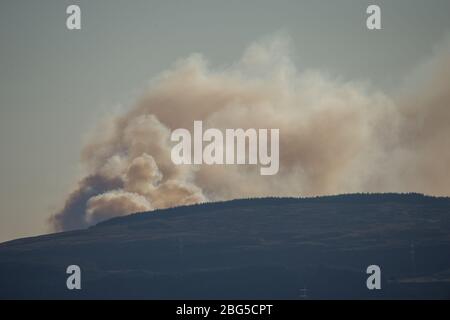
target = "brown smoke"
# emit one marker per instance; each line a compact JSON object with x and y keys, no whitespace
{"x":335,"y":137}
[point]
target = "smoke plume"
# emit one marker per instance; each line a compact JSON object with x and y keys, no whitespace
{"x":335,"y":136}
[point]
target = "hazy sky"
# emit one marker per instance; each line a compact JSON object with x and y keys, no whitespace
{"x":56,"y":84}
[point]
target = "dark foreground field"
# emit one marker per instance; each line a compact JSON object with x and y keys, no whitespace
{"x":263,"y":249}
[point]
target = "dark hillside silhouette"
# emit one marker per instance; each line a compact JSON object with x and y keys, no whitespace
{"x":276,"y":248}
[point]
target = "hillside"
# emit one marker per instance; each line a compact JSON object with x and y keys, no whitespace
{"x":257,"y":248}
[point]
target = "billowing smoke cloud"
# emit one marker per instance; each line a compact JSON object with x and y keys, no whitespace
{"x":335,"y":137}
{"x":114,"y":203}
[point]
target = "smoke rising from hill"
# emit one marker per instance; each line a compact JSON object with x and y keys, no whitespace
{"x":335,"y":136}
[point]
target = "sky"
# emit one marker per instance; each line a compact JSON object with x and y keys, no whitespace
{"x":56,"y":84}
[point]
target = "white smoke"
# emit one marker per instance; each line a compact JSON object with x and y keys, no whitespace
{"x":335,"y":137}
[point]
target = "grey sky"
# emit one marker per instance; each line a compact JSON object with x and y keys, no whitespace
{"x":56,"y":84}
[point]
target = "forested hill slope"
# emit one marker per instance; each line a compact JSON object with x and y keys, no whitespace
{"x":255,"y":248}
